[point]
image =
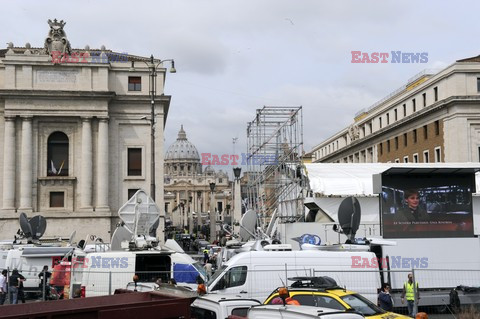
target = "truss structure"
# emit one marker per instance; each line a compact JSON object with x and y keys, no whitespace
{"x":274,"y":160}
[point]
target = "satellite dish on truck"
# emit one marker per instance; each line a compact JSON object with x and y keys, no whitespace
{"x":139,"y":214}
{"x":247,"y":225}
{"x":25,"y":227}
{"x":39,"y":225}
{"x":120,"y":235}
{"x":349,"y":217}
{"x":34,"y":228}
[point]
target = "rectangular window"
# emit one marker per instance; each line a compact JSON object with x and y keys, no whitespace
{"x":404,"y":110}
{"x":415,"y":158}
{"x":380,"y":122}
{"x":437,"y":127}
{"x":134,"y":162}
{"x":435,"y":94}
{"x":134,"y":83}
{"x":478,"y":84}
{"x":388,"y":146}
{"x":370,"y":128}
{"x":396,"y":115}
{"x":388,"y":118}
{"x":438,"y":157}
{"x":424,"y":97}
{"x":131,"y":192}
{"x":396,"y":142}
{"x":425,"y":132}
{"x":405,"y":143}
{"x":57,"y":199}
{"x":381,"y":148}
{"x":414,"y":105}
{"x":405,"y":159}
{"x":415,"y":136}
{"x":425,"y":157}
{"x":363,"y":131}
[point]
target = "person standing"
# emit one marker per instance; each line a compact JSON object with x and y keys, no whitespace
{"x":21,"y":291}
{"x":385,"y":300}
{"x":208,"y":268}
{"x":14,"y":283}
{"x":44,"y":277}
{"x":409,"y":294}
{"x":3,"y":286}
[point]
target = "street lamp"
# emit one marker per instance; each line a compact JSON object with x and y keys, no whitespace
{"x":152,"y":66}
{"x":237,"y":208}
{"x":213,"y":219}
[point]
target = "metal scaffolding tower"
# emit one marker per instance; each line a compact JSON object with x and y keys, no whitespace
{"x":274,"y":160}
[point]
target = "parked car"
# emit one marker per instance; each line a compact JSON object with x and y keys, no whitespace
{"x":324,"y":292}
{"x":218,"y":306}
{"x":296,"y":312}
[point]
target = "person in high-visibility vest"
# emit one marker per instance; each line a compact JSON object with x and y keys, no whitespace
{"x":409,"y":294}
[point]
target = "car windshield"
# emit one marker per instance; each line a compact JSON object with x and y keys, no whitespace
{"x":362,"y":305}
{"x":200,"y":269}
{"x":216,"y":275}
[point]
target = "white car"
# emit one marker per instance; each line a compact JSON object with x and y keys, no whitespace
{"x":299,"y":312}
{"x":221,"y":306}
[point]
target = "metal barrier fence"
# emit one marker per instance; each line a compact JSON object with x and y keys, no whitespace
{"x":439,"y":290}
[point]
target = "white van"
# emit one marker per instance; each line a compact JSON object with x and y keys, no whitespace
{"x":29,"y":260}
{"x":256,"y":274}
{"x":103,"y":272}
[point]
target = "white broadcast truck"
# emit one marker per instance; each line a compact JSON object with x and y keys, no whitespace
{"x":255,"y":274}
{"x":133,"y":253}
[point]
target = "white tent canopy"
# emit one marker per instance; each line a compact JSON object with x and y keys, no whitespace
{"x":354,"y":179}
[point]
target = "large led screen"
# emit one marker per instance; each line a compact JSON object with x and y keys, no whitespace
{"x":419,"y":206}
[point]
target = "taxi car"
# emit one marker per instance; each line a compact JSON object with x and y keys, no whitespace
{"x":315,"y":291}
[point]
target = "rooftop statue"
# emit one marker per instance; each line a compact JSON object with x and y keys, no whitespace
{"x":56,"y":39}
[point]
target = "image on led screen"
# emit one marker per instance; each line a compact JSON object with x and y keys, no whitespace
{"x":414,"y":206}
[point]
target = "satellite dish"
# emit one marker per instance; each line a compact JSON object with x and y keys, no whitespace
{"x":247,"y":225}
{"x":120,"y":235}
{"x":153,"y":230}
{"x":269,"y":231}
{"x":39,"y":225}
{"x":25,"y":226}
{"x":81,"y":244}
{"x":139,"y":213}
{"x":72,"y":236}
{"x":349,"y":216}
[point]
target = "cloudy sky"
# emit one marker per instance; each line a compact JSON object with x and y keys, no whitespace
{"x":235,"y":56}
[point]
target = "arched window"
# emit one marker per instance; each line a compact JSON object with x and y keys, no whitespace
{"x":57,"y":157}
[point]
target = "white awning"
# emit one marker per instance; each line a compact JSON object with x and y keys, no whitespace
{"x":354,"y":179}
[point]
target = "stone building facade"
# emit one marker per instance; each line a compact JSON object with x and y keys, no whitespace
{"x":434,"y":117}
{"x":75,"y":135}
{"x":187,"y":187}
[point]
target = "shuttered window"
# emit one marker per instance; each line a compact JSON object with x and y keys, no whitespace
{"x":134,"y":162}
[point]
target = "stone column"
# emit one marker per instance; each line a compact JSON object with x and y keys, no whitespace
{"x":213,"y":218}
{"x":102,"y":165}
{"x":237,"y":204}
{"x":86,"y":177}
{"x":190,"y":213}
{"x":26,"y":165}
{"x":9,"y":164}
{"x":178,"y":209}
